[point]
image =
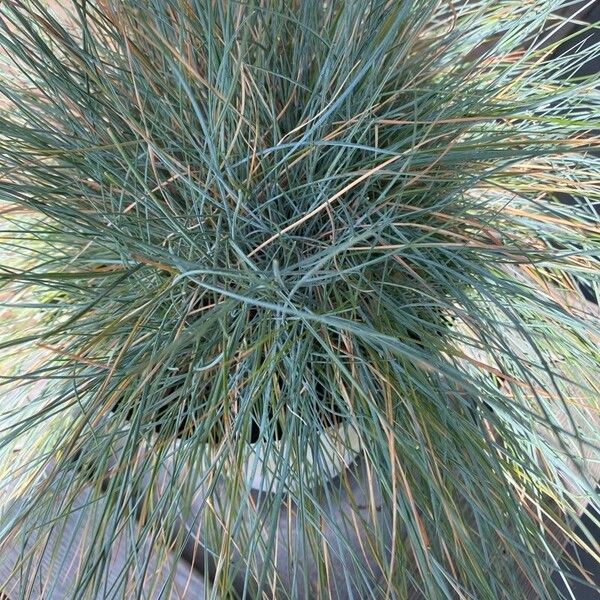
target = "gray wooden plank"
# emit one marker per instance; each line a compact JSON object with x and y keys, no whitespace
{"x":54,"y":563}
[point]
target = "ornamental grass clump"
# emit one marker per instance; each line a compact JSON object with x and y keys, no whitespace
{"x":290,"y":295}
